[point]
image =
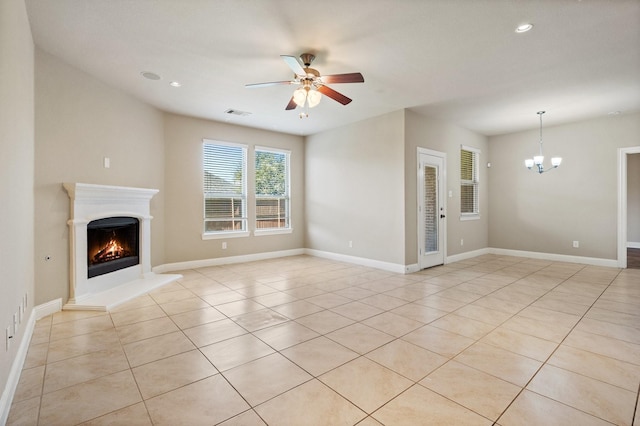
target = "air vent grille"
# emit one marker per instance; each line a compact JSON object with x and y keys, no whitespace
{"x":237,"y":112}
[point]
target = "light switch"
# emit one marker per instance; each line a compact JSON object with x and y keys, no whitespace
{"x":107,"y":162}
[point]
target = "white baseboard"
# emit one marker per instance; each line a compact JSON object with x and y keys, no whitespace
{"x":633,"y":245}
{"x":16,"y":369}
{"x":594,"y":261}
{"x":48,"y":308}
{"x":193,"y":264}
{"x":377,"y":264}
{"x":362,"y":261}
{"x":467,"y":255}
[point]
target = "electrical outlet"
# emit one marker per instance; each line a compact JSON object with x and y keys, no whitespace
{"x":461,"y":241}
{"x":224,"y":245}
{"x":576,"y":244}
{"x":350,"y":244}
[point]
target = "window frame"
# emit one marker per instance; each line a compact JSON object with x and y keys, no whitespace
{"x":287,"y":196}
{"x":243,"y":196}
{"x":474,"y":183}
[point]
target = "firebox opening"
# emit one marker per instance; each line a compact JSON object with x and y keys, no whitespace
{"x":112,"y":244}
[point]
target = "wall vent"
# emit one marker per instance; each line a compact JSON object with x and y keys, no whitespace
{"x":237,"y":112}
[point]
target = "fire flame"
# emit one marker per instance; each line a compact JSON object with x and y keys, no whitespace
{"x":112,"y":250}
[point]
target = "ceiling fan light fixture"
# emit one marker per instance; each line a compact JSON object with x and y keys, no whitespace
{"x":300,"y":96}
{"x":313,"y":97}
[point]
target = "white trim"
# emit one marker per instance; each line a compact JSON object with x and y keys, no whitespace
{"x":534,"y":255}
{"x":362,"y":261}
{"x":378,"y":264}
{"x":469,"y":216}
{"x":225,"y":234}
{"x":470,"y":148}
{"x":268,"y":148}
{"x":272,"y":231}
{"x":193,"y":264}
{"x":442,"y":188}
{"x":622,"y":203}
{"x":48,"y":308}
{"x":226,"y":143}
{"x":633,"y":245}
{"x":16,"y":369}
{"x":595,"y":261}
{"x":287,"y":194}
{"x":410,"y":269}
{"x":476,"y":180}
{"x":467,"y":255}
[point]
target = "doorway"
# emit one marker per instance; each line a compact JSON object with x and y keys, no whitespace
{"x":432,"y":225}
{"x":627,"y":204}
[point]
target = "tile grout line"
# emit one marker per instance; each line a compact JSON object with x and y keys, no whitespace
{"x":555,"y":350}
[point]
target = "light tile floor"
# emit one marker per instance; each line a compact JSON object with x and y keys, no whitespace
{"x":307,"y":341}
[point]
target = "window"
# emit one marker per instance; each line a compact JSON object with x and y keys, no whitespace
{"x":225,"y":188}
{"x":272,"y":189}
{"x":469,"y":183}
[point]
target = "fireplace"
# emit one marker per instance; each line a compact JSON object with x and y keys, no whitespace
{"x":112,"y":244}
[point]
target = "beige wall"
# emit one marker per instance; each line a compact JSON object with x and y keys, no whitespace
{"x":546,"y":213}
{"x":355,"y":189}
{"x":184,"y":182}
{"x":436,"y":135}
{"x":80,"y":120}
{"x":633,"y":197}
{"x":16,"y":181}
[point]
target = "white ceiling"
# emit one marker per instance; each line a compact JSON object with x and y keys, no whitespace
{"x":457,"y":60}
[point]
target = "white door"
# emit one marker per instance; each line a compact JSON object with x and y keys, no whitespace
{"x":432,"y":223}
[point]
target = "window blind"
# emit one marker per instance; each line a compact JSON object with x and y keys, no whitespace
{"x":469,"y":185}
{"x":225,"y":187}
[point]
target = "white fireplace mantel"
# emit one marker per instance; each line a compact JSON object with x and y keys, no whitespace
{"x":90,"y":202}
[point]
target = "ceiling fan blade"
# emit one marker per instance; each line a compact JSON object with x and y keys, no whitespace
{"x":354,"y":77}
{"x":272,"y":83}
{"x":294,"y":64}
{"x":339,"y":97}
{"x":291,"y":105}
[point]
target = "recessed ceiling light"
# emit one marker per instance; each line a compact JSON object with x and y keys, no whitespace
{"x":175,"y":84}
{"x":615,"y":113}
{"x":150,"y":75}
{"x":523,"y":28}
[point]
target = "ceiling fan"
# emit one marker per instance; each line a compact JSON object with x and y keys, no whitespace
{"x":312,"y":84}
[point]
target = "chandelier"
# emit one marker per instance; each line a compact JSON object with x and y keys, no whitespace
{"x":538,"y":159}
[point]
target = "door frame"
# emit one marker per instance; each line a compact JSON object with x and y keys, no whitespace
{"x":622,"y":202}
{"x":442,"y":194}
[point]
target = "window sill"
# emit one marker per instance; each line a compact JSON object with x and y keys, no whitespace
{"x":262,"y":232}
{"x":469,"y":216}
{"x":227,"y":234}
